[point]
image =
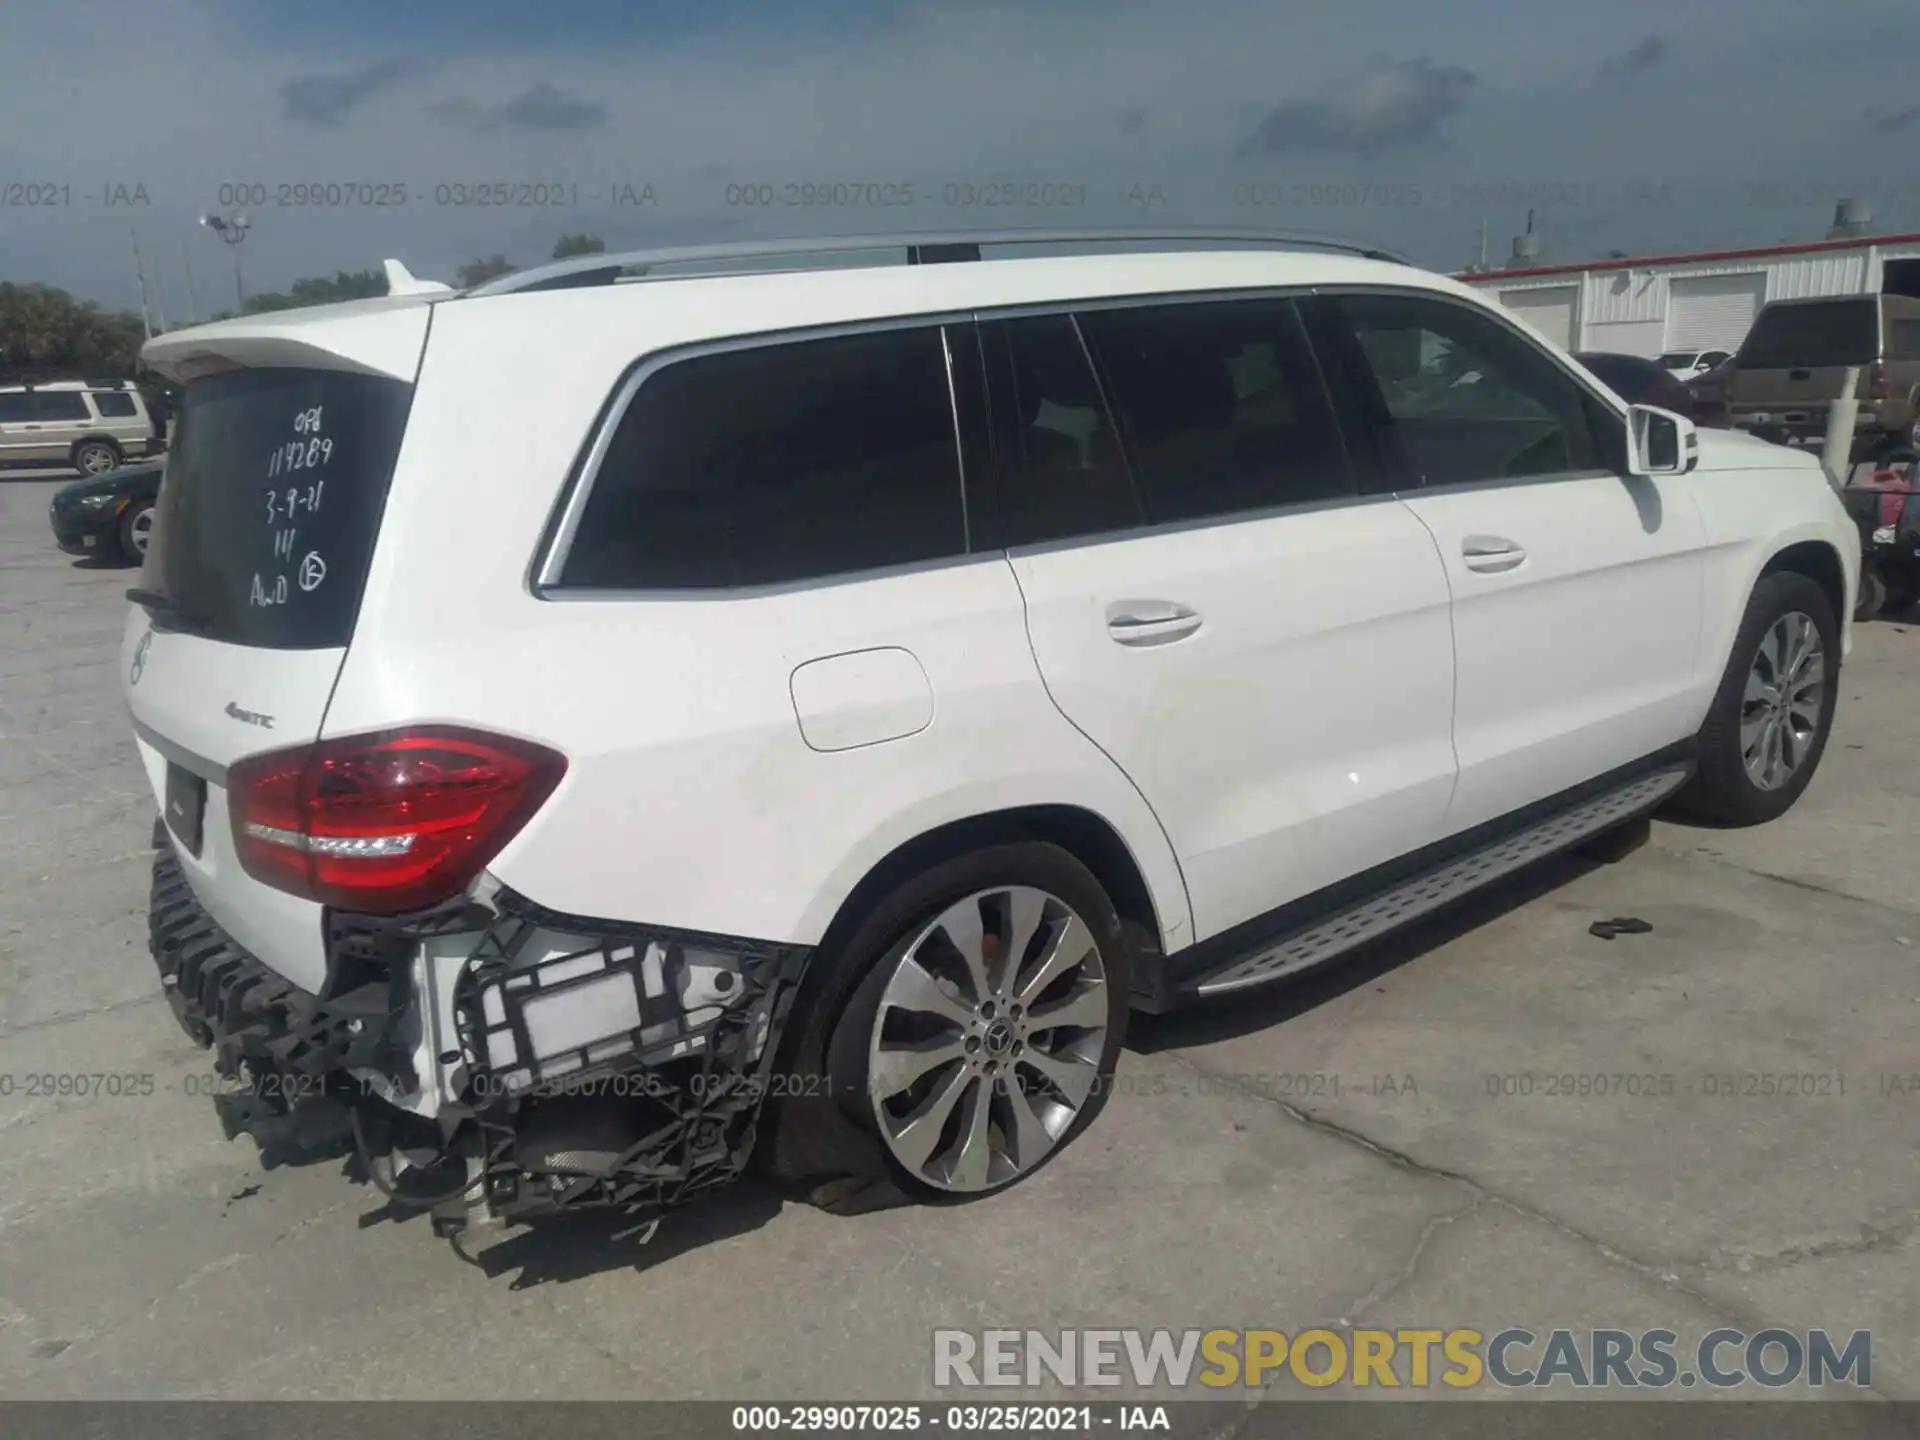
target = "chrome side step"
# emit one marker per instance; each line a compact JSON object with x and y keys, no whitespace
{"x":1447,"y":882}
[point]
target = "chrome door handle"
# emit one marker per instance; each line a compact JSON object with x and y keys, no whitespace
{"x":1491,"y":554}
{"x":1150,"y":622}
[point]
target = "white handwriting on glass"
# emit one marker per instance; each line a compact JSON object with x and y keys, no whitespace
{"x":300,"y":455}
{"x":266,"y":596}
{"x":294,"y":501}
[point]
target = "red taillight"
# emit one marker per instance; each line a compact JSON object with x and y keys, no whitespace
{"x":386,"y":823}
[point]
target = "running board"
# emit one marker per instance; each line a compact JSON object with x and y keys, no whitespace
{"x":1438,"y":887}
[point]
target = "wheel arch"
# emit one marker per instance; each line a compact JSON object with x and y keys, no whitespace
{"x":1089,"y":837}
{"x":1820,"y":562}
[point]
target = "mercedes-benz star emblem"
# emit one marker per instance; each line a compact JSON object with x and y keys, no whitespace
{"x":140,"y":658}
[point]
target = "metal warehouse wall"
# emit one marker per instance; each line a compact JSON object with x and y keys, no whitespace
{"x":1626,"y":310}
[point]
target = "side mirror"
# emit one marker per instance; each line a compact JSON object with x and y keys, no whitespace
{"x":1660,"y":442}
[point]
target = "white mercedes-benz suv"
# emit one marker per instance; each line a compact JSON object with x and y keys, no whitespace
{"x":617,"y":722}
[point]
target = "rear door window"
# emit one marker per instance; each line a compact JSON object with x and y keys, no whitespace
{"x":274,"y":490}
{"x":1806,"y":337}
{"x":1065,"y":475}
{"x":1221,"y":407}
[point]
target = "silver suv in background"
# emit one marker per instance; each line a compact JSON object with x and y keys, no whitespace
{"x":93,"y":425}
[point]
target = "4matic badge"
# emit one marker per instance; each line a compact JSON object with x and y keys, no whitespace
{"x":250,"y":717}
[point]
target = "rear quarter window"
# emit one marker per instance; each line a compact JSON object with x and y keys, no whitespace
{"x":776,"y":463}
{"x":272,"y":501}
{"x":114,"y":404}
{"x":1823,"y":334}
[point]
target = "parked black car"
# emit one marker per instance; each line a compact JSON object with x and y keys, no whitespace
{"x":108,"y":515}
{"x":1640,"y":381}
{"x":1709,"y":392}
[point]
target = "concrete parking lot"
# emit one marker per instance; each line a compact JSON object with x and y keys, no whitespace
{"x":1357,"y":1150}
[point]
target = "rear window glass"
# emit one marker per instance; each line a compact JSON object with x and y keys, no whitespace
{"x":272,"y":500}
{"x":114,"y":404}
{"x":1835,"y":332}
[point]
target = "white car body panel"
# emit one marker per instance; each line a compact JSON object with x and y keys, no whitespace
{"x":1300,"y":734}
{"x":678,"y":713}
{"x":1583,"y":657}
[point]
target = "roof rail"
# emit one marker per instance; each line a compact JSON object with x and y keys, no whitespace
{"x":921,"y":249}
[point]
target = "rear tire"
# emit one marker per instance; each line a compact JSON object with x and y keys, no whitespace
{"x":1008,"y":1094}
{"x":96,"y":457}
{"x":1768,"y":725}
{"x":1872,"y":598}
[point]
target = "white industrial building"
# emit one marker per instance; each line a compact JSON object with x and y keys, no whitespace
{"x":1664,"y":303}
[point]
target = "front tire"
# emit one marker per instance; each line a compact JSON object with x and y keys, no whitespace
{"x":136,"y":528}
{"x":980,"y":1036}
{"x":1768,"y":725}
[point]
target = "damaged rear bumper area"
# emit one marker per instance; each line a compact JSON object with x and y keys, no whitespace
{"x":490,"y":1060}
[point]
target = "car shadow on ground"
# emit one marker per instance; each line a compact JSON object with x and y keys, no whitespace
{"x":574,"y":1247}
{"x":556,"y":1248}
{"x":569,"y":1247}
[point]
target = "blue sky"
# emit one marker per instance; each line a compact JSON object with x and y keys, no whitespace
{"x":1633,"y":125}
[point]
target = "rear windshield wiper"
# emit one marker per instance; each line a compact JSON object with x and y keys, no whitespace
{"x":166,"y":605}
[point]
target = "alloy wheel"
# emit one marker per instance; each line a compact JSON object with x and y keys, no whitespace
{"x":1785,"y":701}
{"x":987,"y":1043}
{"x":140,"y":530}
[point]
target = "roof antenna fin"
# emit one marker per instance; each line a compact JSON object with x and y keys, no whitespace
{"x":401,"y":282}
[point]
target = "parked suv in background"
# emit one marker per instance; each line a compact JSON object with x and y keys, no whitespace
{"x":92,"y":425}
{"x":862,"y":687}
{"x":1793,"y":364}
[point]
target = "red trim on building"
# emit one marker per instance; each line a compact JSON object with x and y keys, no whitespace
{"x":1700,"y":258}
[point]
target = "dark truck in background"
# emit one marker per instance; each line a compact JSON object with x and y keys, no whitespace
{"x":1793,"y":364}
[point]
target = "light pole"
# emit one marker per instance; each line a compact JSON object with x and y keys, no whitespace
{"x":233,"y":231}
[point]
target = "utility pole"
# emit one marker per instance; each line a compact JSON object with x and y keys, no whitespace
{"x":140,"y":279}
{"x":1836,"y":450}
{"x":232,"y":231}
{"x":193,"y":306}
{"x":1483,"y":245}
